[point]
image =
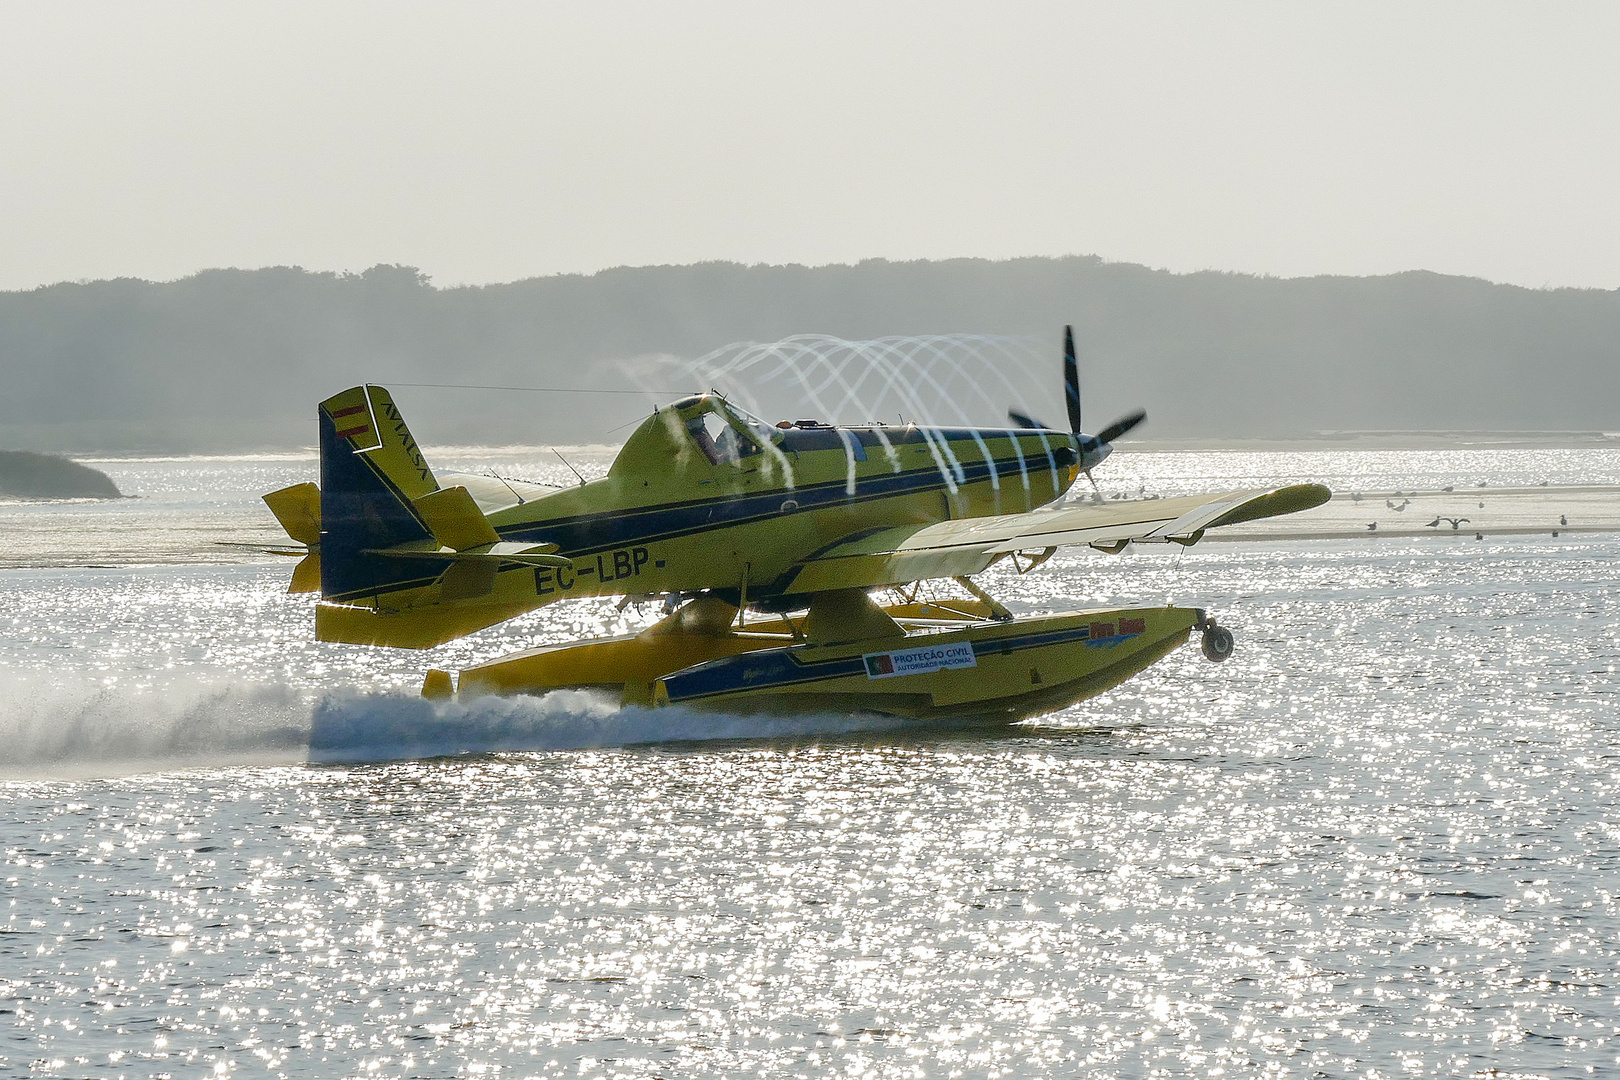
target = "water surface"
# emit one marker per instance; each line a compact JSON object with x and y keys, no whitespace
{"x":1381,"y":840}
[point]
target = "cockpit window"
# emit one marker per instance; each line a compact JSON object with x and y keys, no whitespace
{"x":762,"y":432}
{"x":748,"y":418}
{"x":718,"y":440}
{"x":739,"y":445}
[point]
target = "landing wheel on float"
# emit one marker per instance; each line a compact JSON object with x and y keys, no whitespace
{"x":1218,"y":643}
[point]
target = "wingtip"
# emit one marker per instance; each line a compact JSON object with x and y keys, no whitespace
{"x":1284,"y":500}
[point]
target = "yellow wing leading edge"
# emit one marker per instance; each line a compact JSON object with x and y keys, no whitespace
{"x":962,"y":548}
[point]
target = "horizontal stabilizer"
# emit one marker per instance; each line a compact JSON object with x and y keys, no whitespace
{"x":527,"y":554}
{"x":298,"y":508}
{"x":455,"y":520}
{"x":307,"y":575}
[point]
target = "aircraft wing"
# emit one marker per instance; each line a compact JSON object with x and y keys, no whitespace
{"x":960,"y":548}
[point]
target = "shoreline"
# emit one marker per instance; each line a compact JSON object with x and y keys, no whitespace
{"x":1382,"y":440}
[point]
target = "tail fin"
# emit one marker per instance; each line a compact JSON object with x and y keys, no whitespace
{"x":402,"y":561}
{"x":371,"y":471}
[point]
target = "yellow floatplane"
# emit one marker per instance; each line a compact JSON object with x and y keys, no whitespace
{"x":764,"y":543}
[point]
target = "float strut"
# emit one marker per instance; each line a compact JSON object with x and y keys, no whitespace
{"x":997,"y":612}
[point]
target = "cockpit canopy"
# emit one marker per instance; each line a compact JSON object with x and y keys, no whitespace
{"x":722,"y":432}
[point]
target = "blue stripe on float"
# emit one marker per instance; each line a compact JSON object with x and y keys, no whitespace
{"x":771,"y":669}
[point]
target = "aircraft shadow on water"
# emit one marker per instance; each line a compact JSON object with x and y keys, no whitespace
{"x":764,"y":542}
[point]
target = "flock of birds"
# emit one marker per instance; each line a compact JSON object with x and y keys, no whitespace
{"x":1455,"y":522}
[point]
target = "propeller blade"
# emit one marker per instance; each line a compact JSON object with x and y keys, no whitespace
{"x":1071,"y":380}
{"x":1121,"y":426}
{"x":1019,"y":420}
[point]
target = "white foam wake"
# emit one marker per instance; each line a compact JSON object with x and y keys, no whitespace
{"x":99,"y":730}
{"x":385,"y":726}
{"x":89,"y":729}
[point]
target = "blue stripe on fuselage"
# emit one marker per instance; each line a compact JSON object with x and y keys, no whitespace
{"x":591,"y":533}
{"x":585,"y":534}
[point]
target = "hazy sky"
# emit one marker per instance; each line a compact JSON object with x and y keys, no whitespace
{"x":494,"y":141}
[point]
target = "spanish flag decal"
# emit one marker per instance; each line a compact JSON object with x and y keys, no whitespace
{"x":359,"y":425}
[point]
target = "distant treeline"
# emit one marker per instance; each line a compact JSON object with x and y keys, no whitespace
{"x":237,"y":359}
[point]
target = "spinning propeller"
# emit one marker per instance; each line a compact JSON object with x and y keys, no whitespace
{"x":1092,"y":448}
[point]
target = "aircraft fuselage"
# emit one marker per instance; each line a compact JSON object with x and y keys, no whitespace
{"x":702,"y":496}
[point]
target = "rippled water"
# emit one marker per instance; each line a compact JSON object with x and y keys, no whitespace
{"x":1381,"y":840}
